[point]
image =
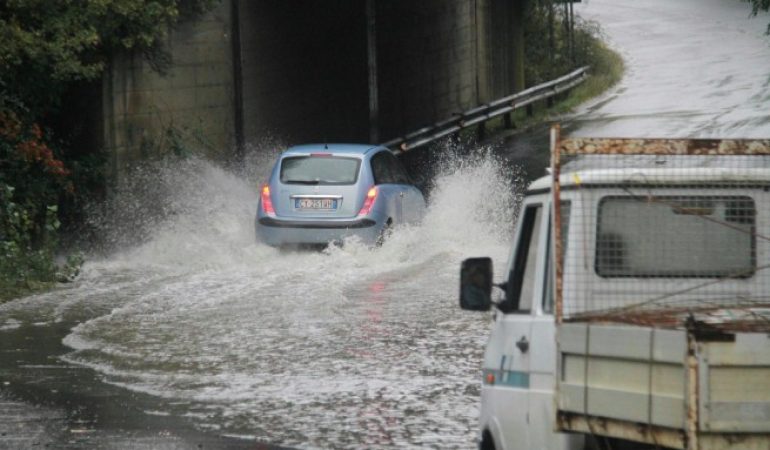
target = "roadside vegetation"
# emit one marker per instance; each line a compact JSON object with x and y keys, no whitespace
{"x":556,"y":44}
{"x":50,"y":51}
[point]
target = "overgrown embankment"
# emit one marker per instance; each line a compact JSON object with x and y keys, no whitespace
{"x":50,"y":54}
{"x":556,"y":44}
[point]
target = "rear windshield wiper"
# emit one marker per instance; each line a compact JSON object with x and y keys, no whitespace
{"x":302,"y":181}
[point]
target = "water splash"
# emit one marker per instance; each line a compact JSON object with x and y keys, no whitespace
{"x":357,"y":345}
{"x":190,"y":214}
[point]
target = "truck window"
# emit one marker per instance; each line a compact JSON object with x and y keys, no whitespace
{"x":676,"y":236}
{"x":521,"y":280}
{"x":548,"y":289}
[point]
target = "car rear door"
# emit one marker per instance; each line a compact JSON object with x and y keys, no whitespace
{"x":318,"y":186}
{"x":412,"y":200}
{"x":385,"y":177}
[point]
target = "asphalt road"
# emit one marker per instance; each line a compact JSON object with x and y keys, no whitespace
{"x":187,"y":334}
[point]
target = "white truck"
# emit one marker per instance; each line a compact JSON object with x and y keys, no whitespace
{"x":636,"y":311}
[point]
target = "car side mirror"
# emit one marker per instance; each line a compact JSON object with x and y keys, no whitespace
{"x":476,"y":284}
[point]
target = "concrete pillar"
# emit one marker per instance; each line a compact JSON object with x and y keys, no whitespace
{"x":235,"y":31}
{"x":371,"y":57}
{"x":481,"y":11}
{"x":519,"y":9}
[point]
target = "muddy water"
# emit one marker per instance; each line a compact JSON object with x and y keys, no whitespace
{"x":182,"y":321}
{"x":695,"y":68}
{"x":346,"y":347}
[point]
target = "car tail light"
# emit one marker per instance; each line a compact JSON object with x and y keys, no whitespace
{"x":371,"y":196}
{"x":267,"y":202}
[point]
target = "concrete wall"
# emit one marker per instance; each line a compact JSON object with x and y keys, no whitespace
{"x":434,"y":74}
{"x":195,"y":97}
{"x":304,"y":70}
{"x":439,"y":57}
{"x":495,"y":48}
{"x":304,"y":74}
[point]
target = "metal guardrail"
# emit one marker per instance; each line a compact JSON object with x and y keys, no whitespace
{"x":481,"y":114}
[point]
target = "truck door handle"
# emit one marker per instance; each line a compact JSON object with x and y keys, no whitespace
{"x":523,"y":344}
{"x":401,"y":194}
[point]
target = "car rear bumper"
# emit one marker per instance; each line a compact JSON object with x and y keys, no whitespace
{"x":325,"y":224}
{"x":277,"y":232}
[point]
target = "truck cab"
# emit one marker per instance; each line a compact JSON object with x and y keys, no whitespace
{"x":654,"y":249}
{"x":519,"y":365}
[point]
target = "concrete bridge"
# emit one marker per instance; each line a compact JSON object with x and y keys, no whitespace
{"x":333,"y":70}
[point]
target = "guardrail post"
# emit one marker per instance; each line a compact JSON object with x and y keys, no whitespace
{"x":481,"y":131}
{"x":507,"y":122}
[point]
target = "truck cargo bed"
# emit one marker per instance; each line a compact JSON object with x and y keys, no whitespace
{"x":672,"y":387}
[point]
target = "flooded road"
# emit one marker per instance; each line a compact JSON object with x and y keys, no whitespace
{"x":192,"y":325}
{"x":347,"y":347}
{"x":694,"y":68}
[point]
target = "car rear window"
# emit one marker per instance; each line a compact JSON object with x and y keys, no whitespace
{"x":322,"y":170}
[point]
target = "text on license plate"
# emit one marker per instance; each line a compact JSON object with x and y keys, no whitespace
{"x":315,"y":203}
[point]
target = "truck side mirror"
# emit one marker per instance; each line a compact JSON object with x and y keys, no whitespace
{"x":476,"y":284}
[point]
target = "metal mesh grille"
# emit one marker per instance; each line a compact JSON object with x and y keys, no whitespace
{"x":662,"y":232}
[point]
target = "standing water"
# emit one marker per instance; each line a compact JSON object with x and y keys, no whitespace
{"x":694,"y":68}
{"x":346,"y":347}
{"x":354,"y":347}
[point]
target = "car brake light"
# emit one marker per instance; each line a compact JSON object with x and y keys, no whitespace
{"x":371,"y":196}
{"x":267,"y":202}
{"x":321,"y":154}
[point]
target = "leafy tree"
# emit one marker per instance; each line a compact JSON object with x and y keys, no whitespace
{"x":556,"y":41}
{"x":47,"y":47}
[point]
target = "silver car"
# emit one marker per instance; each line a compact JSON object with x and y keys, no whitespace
{"x":323,"y":193}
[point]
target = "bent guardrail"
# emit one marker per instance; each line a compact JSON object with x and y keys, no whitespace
{"x":481,"y":114}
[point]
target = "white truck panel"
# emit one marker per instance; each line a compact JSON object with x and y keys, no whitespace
{"x":645,"y":385}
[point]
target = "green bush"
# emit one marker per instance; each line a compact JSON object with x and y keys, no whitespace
{"x":554,"y":49}
{"x":32,"y":182}
{"x":46,"y":48}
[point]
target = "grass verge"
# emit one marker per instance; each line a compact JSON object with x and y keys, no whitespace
{"x":606,"y":68}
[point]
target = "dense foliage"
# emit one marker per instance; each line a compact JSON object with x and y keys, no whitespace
{"x":46,"y":45}
{"x":46,"y":48}
{"x":556,"y":41}
{"x":31,"y":182}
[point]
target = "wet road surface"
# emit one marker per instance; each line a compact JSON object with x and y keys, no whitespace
{"x":192,"y":335}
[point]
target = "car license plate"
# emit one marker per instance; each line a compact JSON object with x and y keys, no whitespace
{"x":315,"y":203}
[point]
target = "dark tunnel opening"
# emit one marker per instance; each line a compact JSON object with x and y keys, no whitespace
{"x":305,"y":70}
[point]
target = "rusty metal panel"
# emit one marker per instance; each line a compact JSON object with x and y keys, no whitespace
{"x":735,"y":384}
{"x":596,"y":146}
{"x":735,"y":441}
{"x":660,"y":436}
